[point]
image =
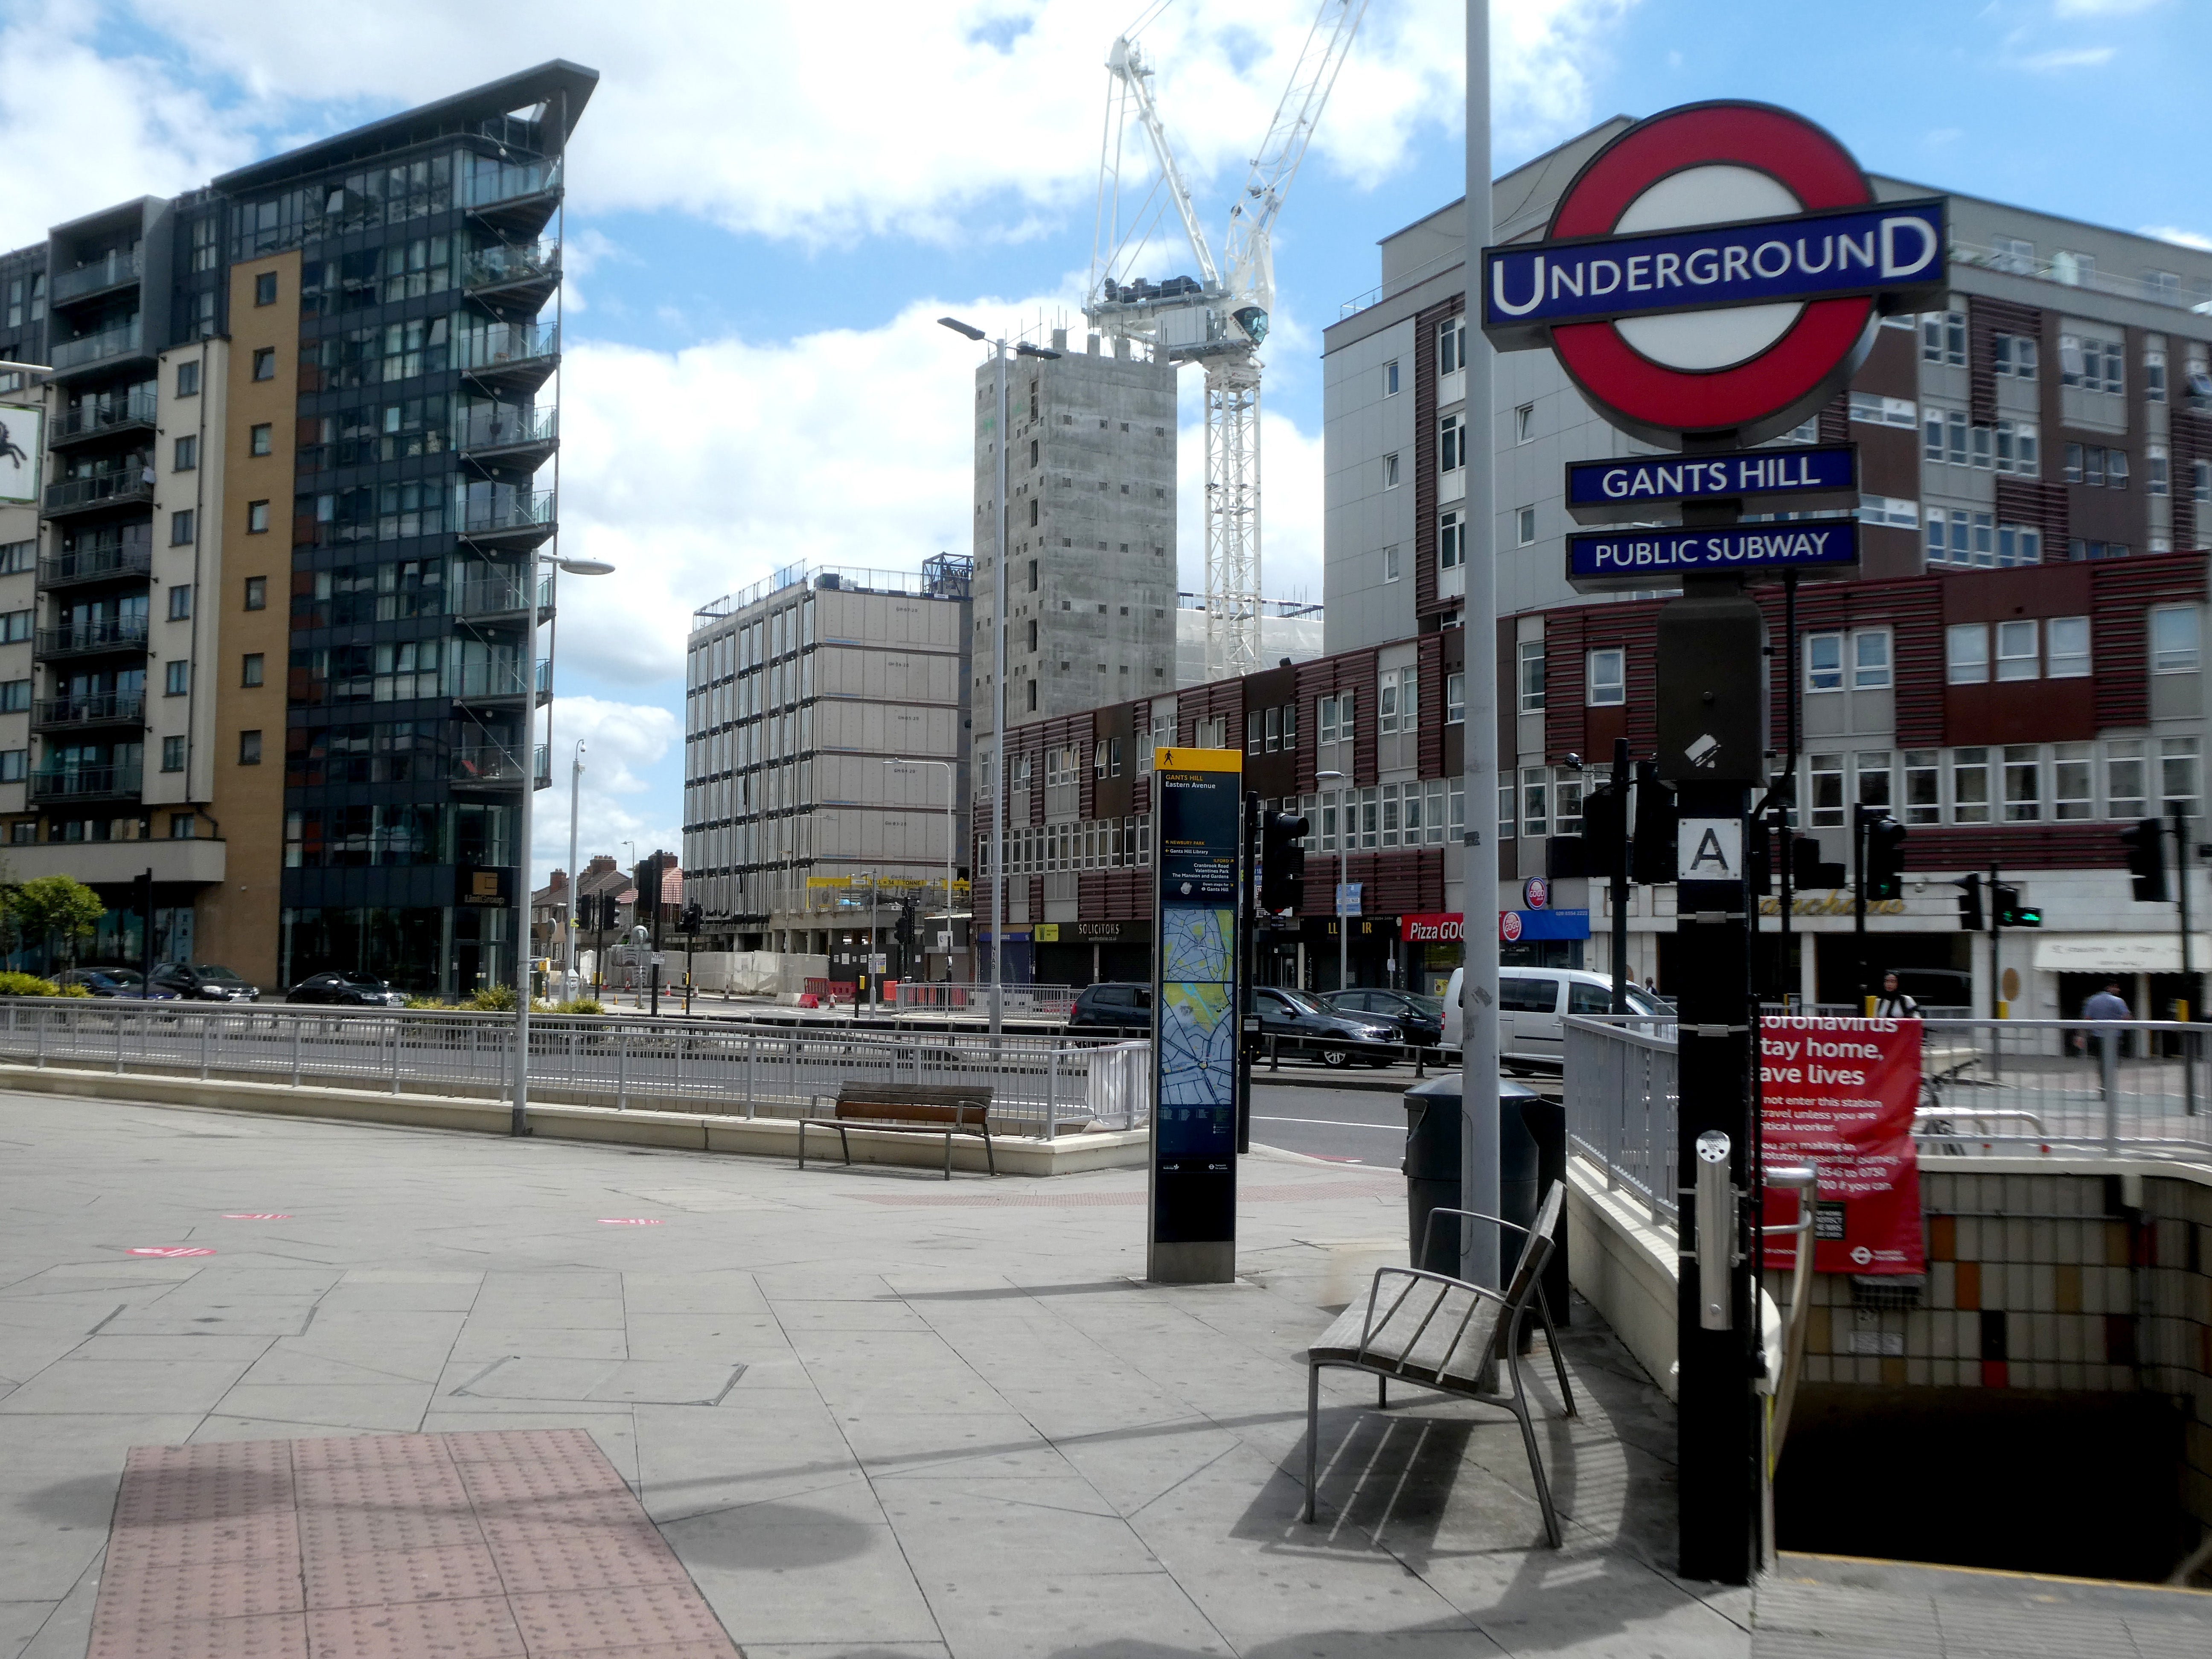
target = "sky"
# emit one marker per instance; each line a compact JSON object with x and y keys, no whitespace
{"x":768,"y":206}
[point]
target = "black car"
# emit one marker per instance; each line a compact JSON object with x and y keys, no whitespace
{"x":1293,"y":1023}
{"x":208,"y":983}
{"x":347,"y":990}
{"x":1112,"y":1010}
{"x":1419,"y":1020}
{"x":113,"y":982}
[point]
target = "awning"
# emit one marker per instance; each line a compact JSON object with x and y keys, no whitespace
{"x":2119,"y":953}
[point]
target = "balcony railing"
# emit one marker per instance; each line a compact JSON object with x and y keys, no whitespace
{"x":2070,"y":270}
{"x":101,"y":273}
{"x":506,"y":425}
{"x":107,"y":708}
{"x":485,"y":181}
{"x":506,"y":345}
{"x":541,"y":767}
{"x":497,"y":267}
{"x":487,"y":763}
{"x":126,"y":487}
{"x":93,"y":348}
{"x":103,"y":415}
{"x":85,"y":782}
{"x":92,"y":564}
{"x":488,"y":595}
{"x":104,"y":633}
{"x":485,"y":510}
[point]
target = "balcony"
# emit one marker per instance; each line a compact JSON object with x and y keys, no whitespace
{"x":86,"y":783}
{"x":113,"y":345}
{"x":502,"y":515}
{"x":520,"y":274}
{"x":116,"y":270}
{"x":85,"y":639}
{"x":499,"y":683}
{"x":508,"y":357}
{"x":125,"y":487}
{"x":108,"y":708}
{"x":96,"y":564}
{"x":103,"y":417}
{"x":514,"y":198}
{"x":490,"y":592}
{"x":508,"y":437}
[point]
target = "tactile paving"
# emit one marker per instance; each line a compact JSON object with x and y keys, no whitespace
{"x":499,"y":1544}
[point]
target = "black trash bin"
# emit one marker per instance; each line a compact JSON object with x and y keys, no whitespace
{"x":1532,"y":1144}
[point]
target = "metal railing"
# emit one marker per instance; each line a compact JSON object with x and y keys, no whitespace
{"x":121,"y":488}
{"x":92,"y":348}
{"x":489,"y":267}
{"x":116,"y":267}
{"x":485,"y":182}
{"x":88,"y":564}
{"x":499,"y":426}
{"x":485,"y":764}
{"x":85,"y":782}
{"x":495,"y":345}
{"x":96,"y":709}
{"x":2069,"y":270}
{"x":1622,"y":1091}
{"x":104,"y":633}
{"x":1039,"y":1085}
{"x":502,"y":506}
{"x":98,"y":413}
{"x":1026,"y":1001}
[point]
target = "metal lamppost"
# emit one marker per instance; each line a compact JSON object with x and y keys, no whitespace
{"x":575,"y":879}
{"x":519,"y":1114}
{"x":999,"y":672}
{"x":1343,"y":868}
{"x":951,"y":811}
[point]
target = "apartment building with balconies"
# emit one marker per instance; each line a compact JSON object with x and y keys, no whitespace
{"x":283,"y":581}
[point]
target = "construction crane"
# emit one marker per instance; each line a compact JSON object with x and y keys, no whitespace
{"x":1216,"y":320}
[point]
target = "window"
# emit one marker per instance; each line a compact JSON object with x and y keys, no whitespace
{"x":188,"y":379}
{"x":181,"y":528}
{"x":1524,"y":522}
{"x":2093,"y":365}
{"x":1325,"y":720}
{"x":2177,"y":765}
{"x":1893,"y":510}
{"x":1531,"y":680}
{"x":1454,"y":699}
{"x":1033,"y":634}
{"x":2018,"y":656}
{"x":1871,"y":768}
{"x":258,"y":439}
{"x":1535,"y":801}
{"x":1390,"y":379}
{"x":250,"y":669}
{"x":1971,"y":536}
{"x":14,"y":697}
{"x":1451,"y":346}
{"x":2019,"y":544}
{"x":177,"y":678}
{"x":2066,"y":645}
{"x":2023,"y":783}
{"x":1823,"y":662}
{"x":1524,"y":423}
{"x":1878,"y":411}
{"x":2017,"y":449}
{"x":1390,"y":472}
{"x":1033,"y":583}
{"x":15,"y":764}
{"x":2174,"y":630}
{"x":1252,"y":729}
{"x":181,"y":602}
{"x":1452,"y":443}
{"x":264,"y":291}
{"x":257,"y":592}
{"x":1826,"y":794}
{"x":18,"y":558}
{"x":2156,"y":477}
{"x":1923,"y":786}
{"x":2071,"y":773}
{"x":187,"y":454}
{"x":1387,"y":706}
{"x":1606,"y":678}
{"x":2154,"y":377}
{"x":1451,"y":539}
{"x":2013,"y":254}
{"x":2074,"y":269}
{"x":2077,"y":549}
{"x":1966,"y":653}
{"x":182,"y":826}
{"x":1970,"y":786}
{"x":2015,"y":354}
{"x":1870,"y":659}
{"x":1274,"y":739}
{"x":16,"y":625}
{"x":249,"y":749}
{"x":173,"y":753}
{"x":2124,"y":778}
{"x":1346,"y":704}
{"x":265,"y":363}
{"x":1391,"y":563}
{"x":1943,"y":337}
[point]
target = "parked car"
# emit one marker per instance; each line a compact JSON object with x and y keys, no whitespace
{"x":113,"y":982}
{"x":1299,"y":1024}
{"x":1419,"y":1020}
{"x":1112,"y":1009}
{"x":347,"y":990}
{"x":1530,"y":1002}
{"x":208,"y":983}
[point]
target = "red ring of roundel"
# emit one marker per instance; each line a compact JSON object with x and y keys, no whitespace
{"x":1807,"y":161}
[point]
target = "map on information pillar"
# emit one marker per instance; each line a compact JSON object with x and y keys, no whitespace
{"x":1198,"y":946}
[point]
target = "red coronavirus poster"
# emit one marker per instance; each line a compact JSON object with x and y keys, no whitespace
{"x":1838,"y":1094}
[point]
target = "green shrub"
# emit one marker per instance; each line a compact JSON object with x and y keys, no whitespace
{"x":426,"y":1002}
{"x":73,"y":991}
{"x":28,"y":985}
{"x":581,"y":1006}
{"x":492,"y":1000}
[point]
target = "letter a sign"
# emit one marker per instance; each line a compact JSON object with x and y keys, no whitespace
{"x":1710,"y":849}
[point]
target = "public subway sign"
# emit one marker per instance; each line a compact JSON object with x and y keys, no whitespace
{"x":1655,"y":487}
{"x":1718,"y":268}
{"x":1657,"y":558}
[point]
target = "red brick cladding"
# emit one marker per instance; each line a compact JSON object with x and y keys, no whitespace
{"x":2190,"y":443}
{"x":1394,"y":883}
{"x":2122,"y":592}
{"x":1911,"y":606}
{"x":1986,"y":319}
{"x":2016,"y":846}
{"x":1569,"y":636}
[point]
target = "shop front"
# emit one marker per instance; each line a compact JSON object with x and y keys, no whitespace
{"x":1080,"y":953}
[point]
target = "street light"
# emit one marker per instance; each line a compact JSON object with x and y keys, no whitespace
{"x":519,"y":1116}
{"x":575,"y":787}
{"x":999,"y":669}
{"x":1343,"y":934}
{"x":951,"y":811}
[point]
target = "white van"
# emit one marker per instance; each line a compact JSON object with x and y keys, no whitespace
{"x":1530,"y":1001}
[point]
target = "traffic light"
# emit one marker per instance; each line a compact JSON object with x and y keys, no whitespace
{"x":2146,"y":845}
{"x":1605,"y":828}
{"x":1884,"y":852}
{"x":902,"y":929}
{"x":1569,"y":855}
{"x":1652,"y":855}
{"x":695,"y":918}
{"x":1970,"y":903}
{"x":1807,"y":870}
{"x":1759,"y":855}
{"x":2011,"y":912}
{"x":1282,"y":862}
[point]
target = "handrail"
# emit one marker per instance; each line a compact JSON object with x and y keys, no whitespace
{"x":1805,"y":1180}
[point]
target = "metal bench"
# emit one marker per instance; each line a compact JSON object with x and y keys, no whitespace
{"x":1443,"y":1333}
{"x":923,"y":1108}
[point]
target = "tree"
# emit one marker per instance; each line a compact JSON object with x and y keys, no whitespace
{"x":48,"y":905}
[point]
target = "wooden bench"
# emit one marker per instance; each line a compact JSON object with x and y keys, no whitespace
{"x":921,"y":1109}
{"x":1443,"y":1333}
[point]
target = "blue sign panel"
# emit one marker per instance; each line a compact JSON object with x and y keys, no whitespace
{"x":1657,"y":558}
{"x":1544,"y":924}
{"x":1646,"y":487}
{"x":1527,"y":287}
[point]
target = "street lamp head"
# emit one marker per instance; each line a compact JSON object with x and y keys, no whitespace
{"x":1025,"y":350}
{"x":1332,"y":774}
{"x":959,"y":327}
{"x":586,"y":567}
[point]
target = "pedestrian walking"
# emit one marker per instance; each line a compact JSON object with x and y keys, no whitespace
{"x":1893,"y":1003}
{"x":2107,"y":1007}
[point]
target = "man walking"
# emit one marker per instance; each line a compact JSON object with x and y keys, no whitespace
{"x":2106,"y":1008}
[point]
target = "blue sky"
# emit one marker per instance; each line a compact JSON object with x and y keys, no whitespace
{"x":769,"y":204}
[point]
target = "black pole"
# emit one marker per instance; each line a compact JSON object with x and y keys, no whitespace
{"x":146,"y":937}
{"x":1781,"y":842}
{"x":657,"y":908}
{"x":2181,"y":863}
{"x":1996,"y":944}
{"x":1619,"y":878}
{"x":1247,"y":903}
{"x":1859,"y":823}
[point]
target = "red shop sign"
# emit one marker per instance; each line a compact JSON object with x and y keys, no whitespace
{"x":1433,"y":928}
{"x":1838,"y":1094}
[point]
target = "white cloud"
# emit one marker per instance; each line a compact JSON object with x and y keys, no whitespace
{"x":614,"y":805}
{"x":2045,"y":62}
{"x":2195,"y":239}
{"x":2102,"y":8}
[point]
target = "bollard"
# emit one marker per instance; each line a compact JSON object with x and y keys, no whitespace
{"x":1274,"y":1054}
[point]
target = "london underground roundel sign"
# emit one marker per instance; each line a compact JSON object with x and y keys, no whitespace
{"x":1718,"y":268}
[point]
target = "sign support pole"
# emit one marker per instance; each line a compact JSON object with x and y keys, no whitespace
{"x":2181,"y":863}
{"x":1859,"y":825}
{"x":1619,"y":879}
{"x":1479,"y":1246}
